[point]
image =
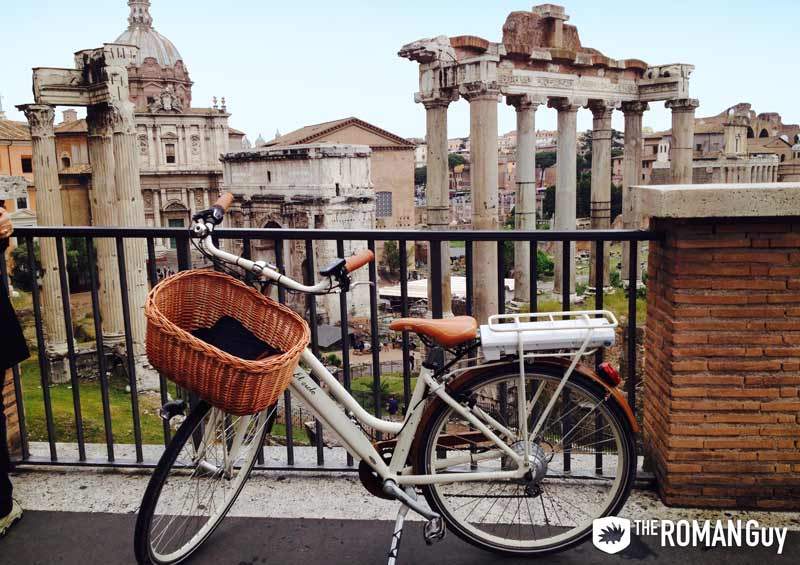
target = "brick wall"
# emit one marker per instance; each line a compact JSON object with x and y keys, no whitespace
{"x":12,"y":418}
{"x":722,"y":366}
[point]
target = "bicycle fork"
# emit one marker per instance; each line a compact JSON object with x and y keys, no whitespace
{"x":433,"y":530}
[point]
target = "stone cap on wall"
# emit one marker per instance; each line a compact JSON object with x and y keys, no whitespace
{"x":717,"y":200}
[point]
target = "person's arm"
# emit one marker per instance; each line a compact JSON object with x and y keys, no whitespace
{"x":6,"y":229}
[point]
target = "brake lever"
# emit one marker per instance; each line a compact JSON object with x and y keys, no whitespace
{"x":361,"y":283}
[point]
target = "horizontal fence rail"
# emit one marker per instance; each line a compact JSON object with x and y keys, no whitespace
{"x":56,"y":420}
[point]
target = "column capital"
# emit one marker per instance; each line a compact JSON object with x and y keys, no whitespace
{"x":634,"y":107}
{"x":682,"y":104}
{"x":441,"y":99}
{"x":602,"y":109}
{"x":40,"y":119}
{"x":479,"y":90}
{"x":525,"y":101}
{"x":123,"y":116}
{"x":567,"y":104}
{"x":100,"y":120}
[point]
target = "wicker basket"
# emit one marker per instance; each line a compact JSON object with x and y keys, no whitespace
{"x":197,"y":299}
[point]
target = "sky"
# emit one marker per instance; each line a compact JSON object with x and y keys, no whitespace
{"x":282,"y":65}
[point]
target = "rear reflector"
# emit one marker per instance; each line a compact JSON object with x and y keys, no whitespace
{"x":609,"y":374}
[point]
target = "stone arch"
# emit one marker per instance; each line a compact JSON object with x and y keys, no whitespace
{"x":764,"y":133}
{"x":750,"y":133}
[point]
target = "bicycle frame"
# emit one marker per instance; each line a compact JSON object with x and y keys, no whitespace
{"x":326,"y":409}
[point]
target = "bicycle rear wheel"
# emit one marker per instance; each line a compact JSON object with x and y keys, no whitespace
{"x":197,"y":480}
{"x":583,"y":462}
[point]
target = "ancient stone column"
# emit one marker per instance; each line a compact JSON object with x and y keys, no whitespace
{"x":566,"y":173}
{"x":48,"y":213}
{"x":105,"y":209}
{"x":484,"y":171}
{"x":131,"y":214}
{"x":682,"y":149}
{"x":437,"y":192}
{"x":601,"y":180}
{"x":631,"y":175}
{"x":525,"y":208}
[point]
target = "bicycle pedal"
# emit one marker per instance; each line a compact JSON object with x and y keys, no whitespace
{"x":434,"y":530}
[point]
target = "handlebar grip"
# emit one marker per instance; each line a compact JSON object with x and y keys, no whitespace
{"x":224,"y":201}
{"x":359,"y":260}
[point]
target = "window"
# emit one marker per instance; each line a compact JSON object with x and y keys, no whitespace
{"x":65,"y":162}
{"x":22,"y":203}
{"x":269,"y":176}
{"x":699,"y":147}
{"x":338,"y":190}
{"x":383,"y":204}
{"x":170,"y":148}
{"x":27,"y":165}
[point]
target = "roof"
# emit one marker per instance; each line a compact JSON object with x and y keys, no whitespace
{"x":234,"y":131}
{"x":76,"y":126}
{"x":14,"y":131}
{"x":140,"y":32}
{"x":309,"y":134}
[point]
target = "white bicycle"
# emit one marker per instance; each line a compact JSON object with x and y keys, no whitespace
{"x":513,"y":443}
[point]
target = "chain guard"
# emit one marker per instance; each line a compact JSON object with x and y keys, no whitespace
{"x":370,"y":479}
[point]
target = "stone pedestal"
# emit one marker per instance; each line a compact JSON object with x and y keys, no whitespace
{"x":525,"y":208}
{"x":722,"y":356}
{"x":566,"y":200}
{"x":484,"y":173}
{"x":48,"y":213}
{"x":631,"y":176}
{"x":437,"y":192}
{"x":601,"y":182}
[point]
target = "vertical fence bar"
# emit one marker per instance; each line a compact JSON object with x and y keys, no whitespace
{"x":633,"y":261}
{"x":436,"y":278}
{"x":73,"y":366}
{"x":287,"y":395}
{"x":534,"y":274}
{"x":42,"y":348}
{"x":599,"y":281}
{"x":102,"y":369}
{"x":469,"y":278}
{"x":345,"y":336}
{"x":374,"y":335}
{"x":247,"y":253}
{"x":129,"y":352}
{"x":404,"y":313}
{"x":15,"y":375}
{"x":162,"y":381}
{"x":566,"y":274}
{"x":566,"y":252}
{"x":501,"y":278}
{"x":311,"y":301}
{"x":183,"y":251}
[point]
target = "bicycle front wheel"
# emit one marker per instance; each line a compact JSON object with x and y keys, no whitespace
{"x":582,"y":461}
{"x":197,"y":480}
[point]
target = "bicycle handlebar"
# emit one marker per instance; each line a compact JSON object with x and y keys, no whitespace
{"x":359,"y":260}
{"x":224,"y":201}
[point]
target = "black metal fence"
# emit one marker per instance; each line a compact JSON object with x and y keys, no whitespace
{"x":143,"y":449}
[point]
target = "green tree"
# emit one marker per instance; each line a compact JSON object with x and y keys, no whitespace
{"x":21,"y":276}
{"x":454,"y":160}
{"x":390,"y":261}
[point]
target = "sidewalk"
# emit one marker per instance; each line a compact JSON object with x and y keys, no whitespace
{"x":87,"y":516}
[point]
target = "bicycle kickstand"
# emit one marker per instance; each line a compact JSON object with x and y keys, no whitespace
{"x":397,"y":534}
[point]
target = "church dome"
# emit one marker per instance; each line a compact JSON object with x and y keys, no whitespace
{"x":140,"y":33}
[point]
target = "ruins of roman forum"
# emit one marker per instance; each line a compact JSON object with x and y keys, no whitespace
{"x":540,"y":62}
